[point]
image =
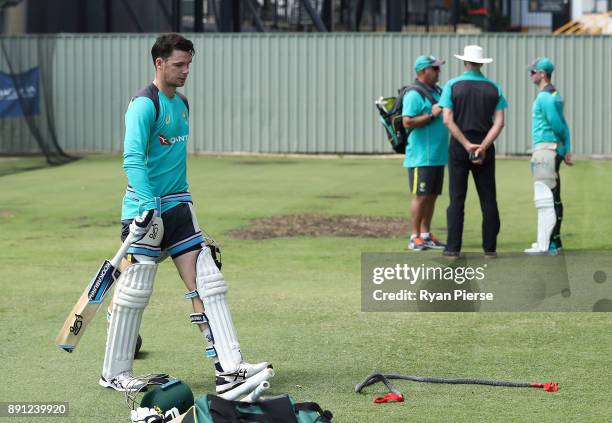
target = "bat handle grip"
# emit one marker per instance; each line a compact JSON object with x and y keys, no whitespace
{"x":116,"y":260}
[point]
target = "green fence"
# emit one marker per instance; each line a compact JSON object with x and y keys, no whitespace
{"x":309,"y":93}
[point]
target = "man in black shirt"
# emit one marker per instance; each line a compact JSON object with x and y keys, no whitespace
{"x":474,"y":113}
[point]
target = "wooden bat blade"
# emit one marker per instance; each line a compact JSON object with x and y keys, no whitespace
{"x":86,"y":307}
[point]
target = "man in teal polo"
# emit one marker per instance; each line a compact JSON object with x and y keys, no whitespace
{"x":427,"y":150}
{"x":551,"y":146}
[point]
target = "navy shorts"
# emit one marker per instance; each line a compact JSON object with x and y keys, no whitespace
{"x":181,"y":231}
{"x":426,"y":180}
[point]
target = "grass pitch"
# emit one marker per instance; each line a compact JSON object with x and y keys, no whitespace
{"x":296,"y":300}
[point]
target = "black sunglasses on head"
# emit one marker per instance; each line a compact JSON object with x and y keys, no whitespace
{"x":436,"y":68}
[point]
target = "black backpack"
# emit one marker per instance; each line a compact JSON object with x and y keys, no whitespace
{"x":390,"y":109}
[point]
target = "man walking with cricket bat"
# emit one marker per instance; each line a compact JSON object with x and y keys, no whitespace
{"x":158,"y":212}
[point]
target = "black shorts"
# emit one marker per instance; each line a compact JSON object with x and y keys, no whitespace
{"x":181,"y":233}
{"x":426,"y":180}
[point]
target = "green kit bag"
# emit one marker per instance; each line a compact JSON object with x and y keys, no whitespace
{"x":277,"y":409}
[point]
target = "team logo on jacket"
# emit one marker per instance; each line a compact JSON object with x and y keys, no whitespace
{"x":167,"y":119}
{"x":169,"y":141}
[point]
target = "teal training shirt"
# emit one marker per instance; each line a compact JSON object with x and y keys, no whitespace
{"x":154,"y":153}
{"x":548,"y":123}
{"x":428,"y":144}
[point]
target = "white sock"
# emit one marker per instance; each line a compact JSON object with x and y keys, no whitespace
{"x":424,"y":235}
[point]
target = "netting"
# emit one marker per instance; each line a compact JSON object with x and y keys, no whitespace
{"x":27,"y":123}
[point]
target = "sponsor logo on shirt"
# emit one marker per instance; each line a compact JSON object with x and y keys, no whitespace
{"x":167,"y":119}
{"x":169,"y":141}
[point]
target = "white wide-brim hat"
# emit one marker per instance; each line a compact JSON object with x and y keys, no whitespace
{"x":474,"y":54}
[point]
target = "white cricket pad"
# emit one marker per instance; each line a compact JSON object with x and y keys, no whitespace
{"x":249,"y":385}
{"x":132,"y":292}
{"x":547,"y":218}
{"x":543,"y":166}
{"x":257,"y":392}
{"x":212,"y":289}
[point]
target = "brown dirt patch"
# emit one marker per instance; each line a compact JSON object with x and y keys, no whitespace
{"x":323,"y":225}
{"x":88,"y":222}
{"x":263,"y":162}
{"x":7,"y":213}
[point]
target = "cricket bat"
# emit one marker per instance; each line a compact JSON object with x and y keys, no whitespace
{"x":87,"y":306}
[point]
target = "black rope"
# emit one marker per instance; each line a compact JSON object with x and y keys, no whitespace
{"x":384,"y":378}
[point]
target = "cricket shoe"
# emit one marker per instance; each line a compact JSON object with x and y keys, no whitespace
{"x":535,"y":251}
{"x":126,"y":381}
{"x":451,"y":255}
{"x":433,"y":242}
{"x":554,"y":245}
{"x":226,"y":381}
{"x":417,"y":244}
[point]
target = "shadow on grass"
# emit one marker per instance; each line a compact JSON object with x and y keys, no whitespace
{"x":11,"y":165}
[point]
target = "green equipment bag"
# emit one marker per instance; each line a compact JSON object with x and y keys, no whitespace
{"x":277,"y":409}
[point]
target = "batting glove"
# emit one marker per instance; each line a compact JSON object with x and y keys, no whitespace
{"x":141,"y":224}
{"x":146,"y":415}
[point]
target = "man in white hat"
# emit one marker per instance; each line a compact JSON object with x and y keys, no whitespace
{"x":474,"y":114}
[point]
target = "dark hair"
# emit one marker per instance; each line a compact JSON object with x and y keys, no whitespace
{"x":167,"y":43}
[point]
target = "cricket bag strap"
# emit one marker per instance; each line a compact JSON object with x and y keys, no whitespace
{"x":324,"y":415}
{"x":277,"y":410}
{"x":272,"y":410}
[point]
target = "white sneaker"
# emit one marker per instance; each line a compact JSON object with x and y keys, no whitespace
{"x":226,"y":381}
{"x":123,"y":382}
{"x":535,"y":252}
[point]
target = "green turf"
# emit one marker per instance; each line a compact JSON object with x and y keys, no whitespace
{"x":296,"y":301}
{"x":10,"y":165}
